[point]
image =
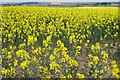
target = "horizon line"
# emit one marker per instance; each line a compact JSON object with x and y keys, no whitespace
{"x":58,"y":1}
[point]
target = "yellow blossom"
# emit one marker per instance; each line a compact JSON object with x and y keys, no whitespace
{"x":104,"y":55}
{"x":48,"y":76}
{"x":22,"y":45}
{"x":90,"y":63}
{"x":62,"y":76}
{"x":62,"y":59}
{"x":90,"y":55}
{"x":22,"y":54}
{"x":93,"y":48}
{"x":31,"y":40}
{"x":9,"y":57}
{"x":15,"y":62}
{"x":52,"y":57}
{"x":78,"y":47}
{"x":34,"y":59}
{"x":11,"y":47}
{"x":95,"y":59}
{"x":24,"y":64}
{"x":69,"y":76}
{"x":80,"y":75}
{"x":97,"y":46}
{"x":88,"y":41}
{"x":106,"y":45}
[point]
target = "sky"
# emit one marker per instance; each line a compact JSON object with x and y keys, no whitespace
{"x":59,"y":0}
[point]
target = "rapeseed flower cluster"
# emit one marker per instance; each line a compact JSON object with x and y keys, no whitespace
{"x":59,"y":42}
{"x":115,"y":70}
{"x":31,"y":40}
{"x":80,"y":75}
{"x":22,"y":54}
{"x":95,"y":47}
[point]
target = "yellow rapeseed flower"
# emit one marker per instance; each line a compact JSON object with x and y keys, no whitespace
{"x":97,"y":46}
{"x":62,"y":59}
{"x":24,"y":64}
{"x":95,"y":59}
{"x":104,"y":55}
{"x":62,"y":77}
{"x":93,"y":48}
{"x":90,"y":63}
{"x":69,"y":76}
{"x":106,"y":45}
{"x":9,"y":57}
{"x":78,"y":47}
{"x":90,"y":55}
{"x":80,"y":75}
{"x":22,"y":54}
{"x":52,"y":57}
{"x":15,"y":62}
